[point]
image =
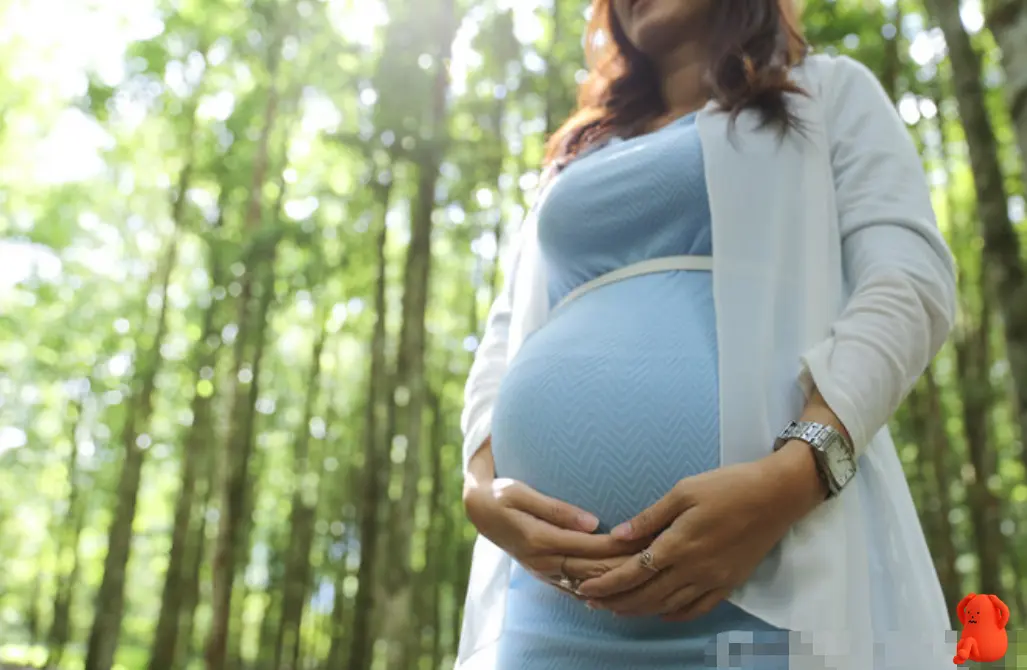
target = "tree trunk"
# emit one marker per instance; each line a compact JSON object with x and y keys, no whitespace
{"x":68,"y":563}
{"x":32,"y":615}
{"x":337,"y":624}
{"x":1007,"y":20}
{"x":973,"y":360}
{"x":232,"y":544}
{"x":498,"y":116}
{"x":893,"y":54}
{"x":194,"y":559}
{"x":554,"y":87}
{"x":938,"y":446}
{"x":110,"y":600}
{"x":463,"y":569}
{"x":60,"y":628}
{"x":375,"y":465}
{"x":438,"y":529}
{"x":303,"y":515}
{"x":165,"y":638}
{"x":410,"y":385}
{"x":270,"y":620}
{"x":1005,"y":274}
{"x":234,"y":464}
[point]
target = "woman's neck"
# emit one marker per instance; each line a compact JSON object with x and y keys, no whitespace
{"x":682,"y":74}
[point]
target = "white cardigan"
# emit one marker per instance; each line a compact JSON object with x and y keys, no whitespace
{"x":794,"y":308}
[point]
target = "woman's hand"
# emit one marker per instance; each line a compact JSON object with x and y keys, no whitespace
{"x":549,"y":537}
{"x":719,"y":526}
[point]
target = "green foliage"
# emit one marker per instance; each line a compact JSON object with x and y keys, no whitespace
{"x":263,"y":138}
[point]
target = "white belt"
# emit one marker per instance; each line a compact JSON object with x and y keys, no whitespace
{"x":665,"y":264}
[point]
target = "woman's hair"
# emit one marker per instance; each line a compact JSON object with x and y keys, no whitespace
{"x":753,"y":45}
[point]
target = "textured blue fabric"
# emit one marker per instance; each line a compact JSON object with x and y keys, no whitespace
{"x":615,"y":399}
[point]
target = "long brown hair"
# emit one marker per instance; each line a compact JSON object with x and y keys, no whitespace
{"x":754,"y":44}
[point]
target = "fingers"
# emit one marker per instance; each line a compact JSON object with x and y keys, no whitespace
{"x":549,"y":567}
{"x":553,"y":580}
{"x":680,"y":600}
{"x":652,"y":520}
{"x":633,"y":574}
{"x":650,"y":598}
{"x":589,"y":568}
{"x":545,"y":538}
{"x":551,"y":510}
{"x":700,"y":607}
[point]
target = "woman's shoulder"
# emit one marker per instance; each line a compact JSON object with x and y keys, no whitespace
{"x":837,"y":77}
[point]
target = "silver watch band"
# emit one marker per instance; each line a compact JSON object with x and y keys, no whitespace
{"x":811,"y":432}
{"x":823,"y":438}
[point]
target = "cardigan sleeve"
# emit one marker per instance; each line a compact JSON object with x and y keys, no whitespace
{"x":489,"y":365}
{"x":896,"y":263}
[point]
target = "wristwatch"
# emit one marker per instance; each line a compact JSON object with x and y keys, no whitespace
{"x":833,"y":453}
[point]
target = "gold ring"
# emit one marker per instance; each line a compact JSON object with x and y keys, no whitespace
{"x":647,"y":561}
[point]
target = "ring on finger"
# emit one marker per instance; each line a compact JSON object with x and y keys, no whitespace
{"x":569,"y":583}
{"x":565,"y":581}
{"x":647,"y":560}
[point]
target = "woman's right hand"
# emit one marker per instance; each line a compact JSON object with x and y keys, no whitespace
{"x":545,"y":535}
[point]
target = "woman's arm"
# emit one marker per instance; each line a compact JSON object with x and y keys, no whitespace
{"x":896,"y":262}
{"x":487,"y":371}
{"x":898,"y":267}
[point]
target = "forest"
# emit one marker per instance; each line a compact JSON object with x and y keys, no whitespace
{"x":247,"y":248}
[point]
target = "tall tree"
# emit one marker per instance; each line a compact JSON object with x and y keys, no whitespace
{"x":198,"y":437}
{"x":302,"y":515}
{"x":1005,"y":272}
{"x":69,"y":533}
{"x":255,"y":297}
{"x":110,"y":598}
{"x":1007,"y":20}
{"x":374,"y":467}
{"x":411,"y":390}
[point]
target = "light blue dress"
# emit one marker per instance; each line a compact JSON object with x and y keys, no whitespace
{"x":615,"y":399}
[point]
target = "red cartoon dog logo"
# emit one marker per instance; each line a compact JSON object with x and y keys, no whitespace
{"x":984,"y":619}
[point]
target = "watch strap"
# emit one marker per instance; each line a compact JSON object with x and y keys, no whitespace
{"x":816,"y":435}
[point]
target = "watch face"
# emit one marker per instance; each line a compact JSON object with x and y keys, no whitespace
{"x":839,"y":462}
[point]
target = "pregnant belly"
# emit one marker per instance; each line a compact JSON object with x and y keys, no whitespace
{"x":616,"y":398}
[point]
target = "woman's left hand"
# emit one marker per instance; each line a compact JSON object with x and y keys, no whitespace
{"x":716,"y":528}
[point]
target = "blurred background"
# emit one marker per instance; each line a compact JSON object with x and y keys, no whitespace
{"x":246,"y":252}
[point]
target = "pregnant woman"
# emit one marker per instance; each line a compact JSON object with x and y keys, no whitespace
{"x":676,"y":449}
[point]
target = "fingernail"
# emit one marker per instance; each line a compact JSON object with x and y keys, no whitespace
{"x":622,"y":532}
{"x":587,"y":521}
